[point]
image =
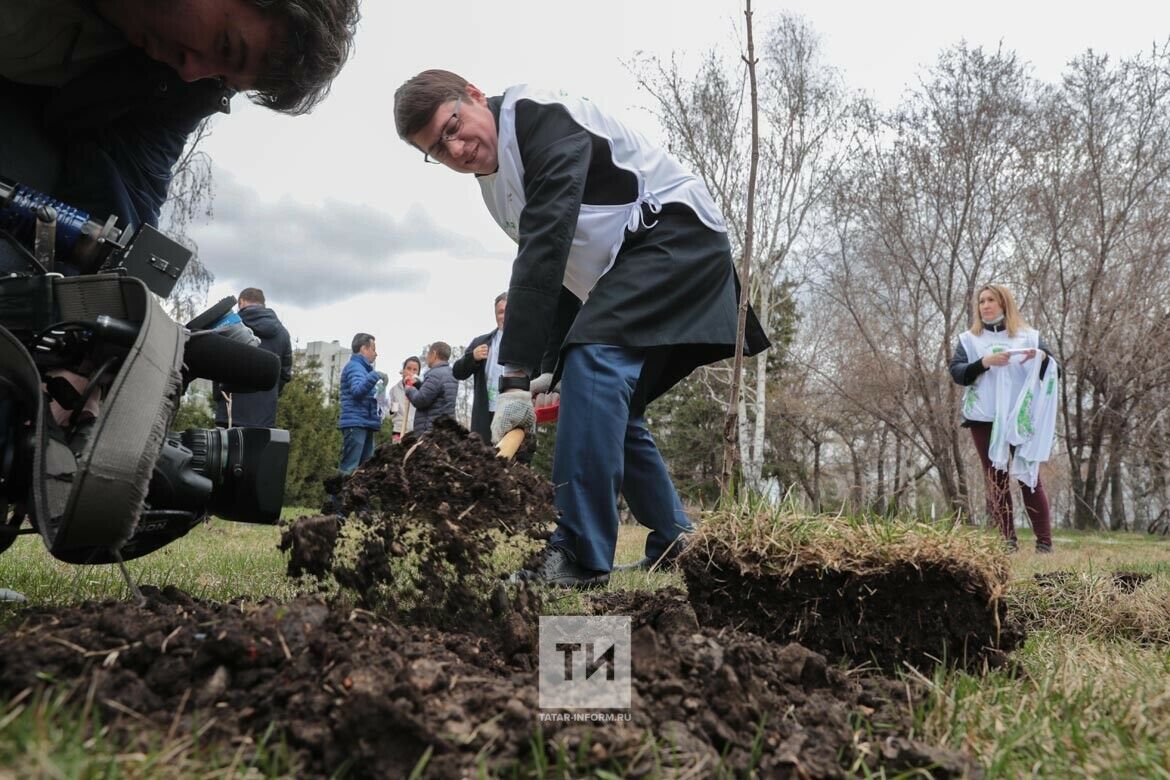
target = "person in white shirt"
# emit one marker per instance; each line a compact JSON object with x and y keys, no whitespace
{"x":401,"y":410}
{"x":996,"y":361}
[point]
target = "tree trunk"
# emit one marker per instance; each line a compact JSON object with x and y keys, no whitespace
{"x":1117,"y":496}
{"x":753,"y":466}
{"x":731,"y":426}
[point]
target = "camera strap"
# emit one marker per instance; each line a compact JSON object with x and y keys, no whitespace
{"x":88,"y":506}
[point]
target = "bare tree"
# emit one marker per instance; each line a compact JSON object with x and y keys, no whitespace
{"x":921,"y":219}
{"x":1095,"y":240}
{"x":731,"y":451}
{"x":190,"y":198}
{"x":803,"y":126}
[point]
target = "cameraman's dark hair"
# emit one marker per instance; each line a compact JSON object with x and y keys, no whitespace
{"x":416,"y":100}
{"x":360,"y":340}
{"x":252,"y":295}
{"x":441,"y":349}
{"x":501,"y":297}
{"x":317,"y":40}
{"x":412,"y":359}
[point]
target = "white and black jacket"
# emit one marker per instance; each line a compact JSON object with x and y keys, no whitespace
{"x":617,"y":242}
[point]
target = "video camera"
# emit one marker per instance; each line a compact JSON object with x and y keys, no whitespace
{"x":91,"y":372}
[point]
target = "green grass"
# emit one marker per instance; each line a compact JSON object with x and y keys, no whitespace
{"x":1089,"y":695}
{"x":40,"y":736}
{"x":216,"y":560}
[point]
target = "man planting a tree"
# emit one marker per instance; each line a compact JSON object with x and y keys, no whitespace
{"x":623,"y":269}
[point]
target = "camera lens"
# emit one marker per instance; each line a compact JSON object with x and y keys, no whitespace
{"x":246,"y":467}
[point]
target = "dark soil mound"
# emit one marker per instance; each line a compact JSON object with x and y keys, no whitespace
{"x":727,"y":693}
{"x":921,"y":615}
{"x":1129,"y":581}
{"x":354,"y":692}
{"x":432,"y":511}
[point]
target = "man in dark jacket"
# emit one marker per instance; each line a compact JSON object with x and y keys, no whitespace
{"x":623,"y":265}
{"x":481,"y":361}
{"x":359,"y":406}
{"x":435,"y":397}
{"x":99,"y":97}
{"x":256,"y":410}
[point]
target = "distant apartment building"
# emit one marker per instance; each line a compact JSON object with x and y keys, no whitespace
{"x":330,"y":357}
{"x":200,"y":388}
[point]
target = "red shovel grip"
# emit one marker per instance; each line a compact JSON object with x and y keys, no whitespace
{"x":548,"y":413}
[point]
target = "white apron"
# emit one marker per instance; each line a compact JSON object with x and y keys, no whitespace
{"x":1020,"y":408}
{"x":600,"y":229}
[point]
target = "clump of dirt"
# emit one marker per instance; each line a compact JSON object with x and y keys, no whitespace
{"x":726,"y":694}
{"x":1129,"y":581}
{"x":859,"y":590}
{"x":310,"y":542}
{"x":426,"y":518}
{"x":355,"y":692}
{"x":922,"y":615}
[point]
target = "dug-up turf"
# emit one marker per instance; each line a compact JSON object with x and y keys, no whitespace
{"x":902,"y":612}
{"x":356,"y":694}
{"x":418,"y":527}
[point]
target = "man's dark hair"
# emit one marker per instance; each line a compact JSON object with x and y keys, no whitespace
{"x":252,"y":295}
{"x":317,"y":40}
{"x":416,"y":100}
{"x":360,"y":340}
{"x":501,"y":297}
{"x":441,"y":349}
{"x":412,"y":359}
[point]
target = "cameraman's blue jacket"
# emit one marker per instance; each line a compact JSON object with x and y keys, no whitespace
{"x":359,"y":408}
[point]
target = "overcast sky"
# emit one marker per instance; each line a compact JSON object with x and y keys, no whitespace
{"x":346,"y":229}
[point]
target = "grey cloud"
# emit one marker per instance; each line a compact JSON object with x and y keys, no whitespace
{"x":309,"y":255}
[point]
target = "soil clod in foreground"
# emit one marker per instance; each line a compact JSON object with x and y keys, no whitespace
{"x":351,"y":690}
{"x":425,"y":520}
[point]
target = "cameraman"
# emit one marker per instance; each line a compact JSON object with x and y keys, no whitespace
{"x":99,"y":97}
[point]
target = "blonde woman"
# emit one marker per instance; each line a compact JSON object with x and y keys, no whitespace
{"x":1006,"y":389}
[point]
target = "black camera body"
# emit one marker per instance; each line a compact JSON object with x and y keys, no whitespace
{"x":91,"y":373}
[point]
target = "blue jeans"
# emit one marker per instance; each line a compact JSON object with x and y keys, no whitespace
{"x":357,"y":445}
{"x":603,"y":447}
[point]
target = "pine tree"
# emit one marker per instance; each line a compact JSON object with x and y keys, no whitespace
{"x":314,"y":440}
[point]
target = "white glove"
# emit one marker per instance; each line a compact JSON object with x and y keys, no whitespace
{"x":513,"y":410}
{"x":542,"y":384}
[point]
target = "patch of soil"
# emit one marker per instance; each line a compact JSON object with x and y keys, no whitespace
{"x":1053,"y":579}
{"x":1129,"y":581}
{"x":922,"y":616}
{"x":310,"y":542}
{"x":1124,"y":581}
{"x":441,"y":502}
{"x":356,"y":692}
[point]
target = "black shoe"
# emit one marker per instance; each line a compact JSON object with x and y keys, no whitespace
{"x":1013,"y":546}
{"x":1044,"y":549}
{"x":559,"y":570}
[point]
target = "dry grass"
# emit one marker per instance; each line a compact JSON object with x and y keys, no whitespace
{"x":1078,"y":707}
{"x":1094,"y":604}
{"x":776,"y":541}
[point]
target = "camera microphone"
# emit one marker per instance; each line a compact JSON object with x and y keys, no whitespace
{"x":243,"y":368}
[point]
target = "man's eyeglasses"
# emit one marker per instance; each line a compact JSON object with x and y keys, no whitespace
{"x":438,"y":152}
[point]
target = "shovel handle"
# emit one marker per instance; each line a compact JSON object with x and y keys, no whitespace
{"x":510,"y":443}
